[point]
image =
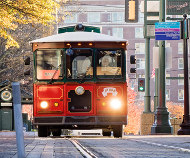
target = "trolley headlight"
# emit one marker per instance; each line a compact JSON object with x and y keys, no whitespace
{"x":79,"y":90}
{"x":115,"y":104}
{"x":44,"y":104}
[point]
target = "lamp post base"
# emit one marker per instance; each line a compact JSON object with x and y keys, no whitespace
{"x":185,"y":126}
{"x":162,"y":123}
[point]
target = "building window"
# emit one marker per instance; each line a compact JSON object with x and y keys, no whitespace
{"x":71,"y":19}
{"x":140,"y":63}
{"x":167,"y":94}
{"x":141,"y":17}
{"x":180,"y":48}
{"x":180,"y":63}
{"x":118,"y":17}
{"x":180,"y":81}
{"x":140,"y":76}
{"x":139,"y":48}
{"x":139,"y":32}
{"x":167,"y":80}
{"x":93,"y":17}
{"x":109,"y":32}
{"x":117,"y":32}
{"x":132,"y":83}
{"x":180,"y":94}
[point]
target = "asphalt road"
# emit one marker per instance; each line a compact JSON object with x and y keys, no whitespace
{"x":104,"y":147}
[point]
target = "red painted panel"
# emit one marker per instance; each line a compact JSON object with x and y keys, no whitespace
{"x":53,"y":95}
{"x":106,"y":93}
{"x":50,"y":91}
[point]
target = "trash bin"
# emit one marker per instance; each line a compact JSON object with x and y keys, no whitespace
{"x":6,"y":119}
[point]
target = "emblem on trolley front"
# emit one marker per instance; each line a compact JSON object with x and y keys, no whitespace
{"x":111,"y":90}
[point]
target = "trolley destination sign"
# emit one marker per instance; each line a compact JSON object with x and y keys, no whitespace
{"x":167,"y":31}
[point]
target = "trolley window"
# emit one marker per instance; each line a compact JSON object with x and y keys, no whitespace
{"x":49,"y":65}
{"x":79,"y":63}
{"x":109,"y":64}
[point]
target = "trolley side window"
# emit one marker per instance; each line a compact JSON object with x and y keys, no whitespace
{"x":109,"y":64}
{"x":79,"y":63}
{"x":48,"y":64}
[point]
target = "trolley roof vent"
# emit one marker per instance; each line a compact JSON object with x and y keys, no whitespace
{"x":79,"y":27}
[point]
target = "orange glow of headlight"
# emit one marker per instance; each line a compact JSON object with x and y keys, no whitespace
{"x":115,"y":104}
{"x":103,"y":104}
{"x":79,"y":44}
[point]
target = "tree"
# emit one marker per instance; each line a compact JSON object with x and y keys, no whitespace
{"x":15,"y":12}
{"x":176,"y":110}
{"x":134,"y":112}
{"x":22,"y":21}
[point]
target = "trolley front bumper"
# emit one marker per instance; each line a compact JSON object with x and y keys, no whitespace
{"x":81,"y":120}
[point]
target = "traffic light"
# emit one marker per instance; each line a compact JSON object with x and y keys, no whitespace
{"x":131,"y":10}
{"x":133,"y":61}
{"x":141,"y":84}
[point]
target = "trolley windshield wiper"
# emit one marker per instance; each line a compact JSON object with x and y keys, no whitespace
{"x":51,"y":80}
{"x":116,"y":73}
{"x":84,"y":75}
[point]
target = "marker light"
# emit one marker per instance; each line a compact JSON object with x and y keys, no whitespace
{"x":56,"y":104}
{"x":115,"y":104}
{"x":44,"y":104}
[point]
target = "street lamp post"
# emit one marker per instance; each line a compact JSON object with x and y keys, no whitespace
{"x":162,"y":122}
{"x":185,"y":126}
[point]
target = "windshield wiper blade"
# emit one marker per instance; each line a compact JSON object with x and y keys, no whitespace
{"x":116,"y":73}
{"x":85,"y":73}
{"x":51,"y":80}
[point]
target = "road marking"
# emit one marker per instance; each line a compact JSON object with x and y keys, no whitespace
{"x":162,"y":145}
{"x":86,"y":153}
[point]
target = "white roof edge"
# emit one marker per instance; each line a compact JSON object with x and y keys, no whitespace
{"x":79,"y":36}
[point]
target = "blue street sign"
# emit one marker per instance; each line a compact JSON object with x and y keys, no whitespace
{"x":167,"y":31}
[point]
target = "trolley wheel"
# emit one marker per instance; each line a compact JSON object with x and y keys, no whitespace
{"x":117,"y":131}
{"x":106,"y":133}
{"x":42,"y":131}
{"x":57,"y":132}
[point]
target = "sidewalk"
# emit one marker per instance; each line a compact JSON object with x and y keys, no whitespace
{"x":36,"y":147}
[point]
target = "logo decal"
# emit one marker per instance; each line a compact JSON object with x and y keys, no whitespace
{"x":109,"y":90}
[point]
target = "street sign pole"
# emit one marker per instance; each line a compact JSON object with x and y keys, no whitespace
{"x":185,"y":126}
{"x":147,"y":97}
{"x":162,"y":122}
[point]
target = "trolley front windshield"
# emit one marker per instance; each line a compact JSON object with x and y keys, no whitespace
{"x":109,"y":63}
{"x":48,"y":64}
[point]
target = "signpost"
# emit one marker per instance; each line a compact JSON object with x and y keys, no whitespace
{"x":167,"y":31}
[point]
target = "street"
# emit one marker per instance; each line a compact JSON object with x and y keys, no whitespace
{"x":154,"y":146}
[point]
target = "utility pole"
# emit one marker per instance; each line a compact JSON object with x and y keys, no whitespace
{"x":162,"y":122}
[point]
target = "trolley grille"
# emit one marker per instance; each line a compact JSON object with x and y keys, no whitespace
{"x":80,"y":103}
